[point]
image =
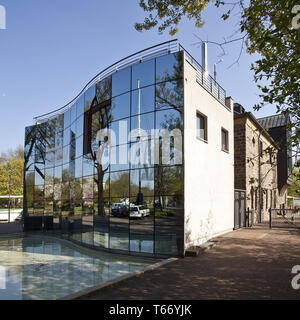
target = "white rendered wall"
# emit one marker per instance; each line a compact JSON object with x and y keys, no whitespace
{"x":209,"y":171}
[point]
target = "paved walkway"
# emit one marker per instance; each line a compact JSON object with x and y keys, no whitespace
{"x":245,"y":264}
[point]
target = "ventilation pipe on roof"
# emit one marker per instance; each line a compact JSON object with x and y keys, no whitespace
{"x":204,"y":56}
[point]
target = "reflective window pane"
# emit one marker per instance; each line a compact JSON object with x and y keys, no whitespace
{"x":89,"y":96}
{"x":143,"y":74}
{"x":103,"y":89}
{"x":121,"y":82}
{"x":143,"y":100}
{"x":121,"y":107}
{"x":119,"y":184}
{"x":169,"y":67}
{"x":80,"y":106}
{"x":169,"y":95}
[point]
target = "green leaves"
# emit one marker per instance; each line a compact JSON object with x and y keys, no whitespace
{"x":170,"y":12}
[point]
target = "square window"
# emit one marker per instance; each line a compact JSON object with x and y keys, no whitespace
{"x":201,"y":126}
{"x":225,"y":140}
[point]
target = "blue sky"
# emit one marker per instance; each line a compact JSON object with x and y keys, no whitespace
{"x":52,"y":48}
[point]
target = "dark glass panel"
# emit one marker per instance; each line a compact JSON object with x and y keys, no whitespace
{"x":169,"y":95}
{"x":119,"y":236}
{"x":89,"y":95}
{"x":169,"y":240}
{"x":121,"y":82}
{"x":80,"y":106}
{"x":40,"y":143}
{"x":65,"y":173}
{"x":88,"y":221}
{"x":169,"y":67}
{"x":119,"y":184}
{"x":78,"y":189}
{"x":169,"y":119}
{"x":142,"y":182}
{"x":101,"y":191}
{"x":103,"y":89}
{"x":143,"y":100}
{"x":39,"y":193}
{"x":39,"y":176}
{"x":169,"y":210}
{"x":29,"y":152}
{"x":169,"y":180}
{"x":48,"y":208}
{"x":73,"y":146}
{"x":29,"y":195}
{"x":120,"y":107}
{"x":65,"y":191}
{"x":144,"y":73}
{"x":30,"y":177}
{"x":142,"y":230}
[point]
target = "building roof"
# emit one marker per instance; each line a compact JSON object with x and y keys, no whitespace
{"x":257,"y":123}
{"x":278,"y":120}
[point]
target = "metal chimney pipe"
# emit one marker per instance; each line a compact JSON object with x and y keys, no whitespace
{"x":204,"y":56}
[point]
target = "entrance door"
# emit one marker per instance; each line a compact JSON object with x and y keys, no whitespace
{"x":239,"y":209}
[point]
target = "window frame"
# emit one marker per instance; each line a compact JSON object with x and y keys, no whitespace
{"x":198,"y":115}
{"x":226,"y":149}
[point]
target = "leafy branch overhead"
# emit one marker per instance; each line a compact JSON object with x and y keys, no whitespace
{"x":170,"y":13}
{"x":270,"y":28}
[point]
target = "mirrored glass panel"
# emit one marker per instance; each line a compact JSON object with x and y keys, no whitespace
{"x":119,"y":184}
{"x":169,"y":95}
{"x":169,"y":67}
{"x":121,"y":82}
{"x":89,"y":95}
{"x":143,"y":100}
{"x":120,"y":107}
{"x":103,"y":89}
{"x":143,"y":74}
{"x":80,"y":106}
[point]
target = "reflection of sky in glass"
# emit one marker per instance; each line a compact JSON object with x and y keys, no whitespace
{"x":44,"y":268}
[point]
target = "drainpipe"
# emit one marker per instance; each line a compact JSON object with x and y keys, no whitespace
{"x":259,"y":180}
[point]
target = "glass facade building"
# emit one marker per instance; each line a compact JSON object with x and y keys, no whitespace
{"x":89,"y":167}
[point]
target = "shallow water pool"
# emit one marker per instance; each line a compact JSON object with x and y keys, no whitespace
{"x":39,"y":268}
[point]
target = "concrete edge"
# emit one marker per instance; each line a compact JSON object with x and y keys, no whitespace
{"x":90,"y":290}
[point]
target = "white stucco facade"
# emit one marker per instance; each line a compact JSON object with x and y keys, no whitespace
{"x":208,"y":170}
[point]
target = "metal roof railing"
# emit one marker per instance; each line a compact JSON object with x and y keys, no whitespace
{"x":172,"y":46}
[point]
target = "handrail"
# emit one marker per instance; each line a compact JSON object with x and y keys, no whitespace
{"x":202,"y":77}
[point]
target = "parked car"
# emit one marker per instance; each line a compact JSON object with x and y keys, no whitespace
{"x":120,"y":210}
{"x":145,"y":210}
{"x":136,"y":212}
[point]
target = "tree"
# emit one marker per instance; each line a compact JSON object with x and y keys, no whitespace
{"x":267,"y":27}
{"x":13,"y":167}
{"x":294,"y":189}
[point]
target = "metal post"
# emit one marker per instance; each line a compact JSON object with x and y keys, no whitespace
{"x":270,"y":218}
{"x":9,"y":188}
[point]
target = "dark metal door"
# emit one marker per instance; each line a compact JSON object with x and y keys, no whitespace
{"x":239,"y":209}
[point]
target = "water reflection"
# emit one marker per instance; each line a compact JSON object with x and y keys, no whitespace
{"x":34,"y":269}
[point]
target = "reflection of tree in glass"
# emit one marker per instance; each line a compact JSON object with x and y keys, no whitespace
{"x":100,"y":116}
{"x":38,"y":139}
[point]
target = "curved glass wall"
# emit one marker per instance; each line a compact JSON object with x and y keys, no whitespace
{"x":108,"y":172}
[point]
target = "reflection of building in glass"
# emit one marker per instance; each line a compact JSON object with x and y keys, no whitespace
{"x":128,"y":147}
